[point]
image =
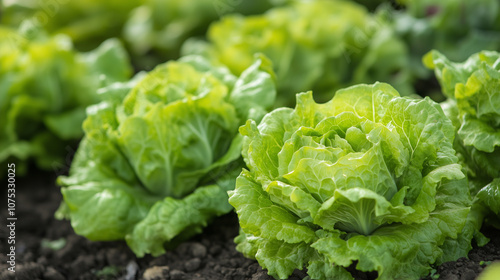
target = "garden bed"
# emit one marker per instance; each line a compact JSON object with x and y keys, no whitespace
{"x":47,"y":248}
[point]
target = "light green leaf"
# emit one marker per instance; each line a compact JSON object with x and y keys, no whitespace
{"x":260,"y":217}
{"x":326,"y":270}
{"x":255,"y":90}
{"x":359,"y":210}
{"x":172,"y":217}
{"x":281,"y":258}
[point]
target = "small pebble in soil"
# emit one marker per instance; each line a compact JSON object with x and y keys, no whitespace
{"x":155,"y":272}
{"x":116,"y":257}
{"x":131,"y":271}
{"x":192,"y":265}
{"x":52,"y":274}
{"x":451,"y":277}
{"x":177,"y":275}
{"x":215,"y":249}
{"x":81,"y":265}
{"x":261,"y":275}
{"x":198,"y":250}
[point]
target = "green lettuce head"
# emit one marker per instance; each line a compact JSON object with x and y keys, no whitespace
{"x":45,"y":86}
{"x":159,"y":27}
{"x":473,"y":91}
{"x":87,"y":23}
{"x":369,"y":178}
{"x":319,"y":45}
{"x":161,"y":152}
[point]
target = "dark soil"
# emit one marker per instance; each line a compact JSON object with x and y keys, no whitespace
{"x":47,"y":248}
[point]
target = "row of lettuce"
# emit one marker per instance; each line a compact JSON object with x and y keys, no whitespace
{"x":394,"y":184}
{"x":314,"y":45}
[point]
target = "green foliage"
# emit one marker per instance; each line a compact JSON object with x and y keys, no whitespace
{"x":473,"y":104}
{"x":318,"y":45}
{"x":365,"y":177}
{"x":472,"y":88}
{"x":153,"y":30}
{"x":161,"y":27}
{"x":45,"y":86}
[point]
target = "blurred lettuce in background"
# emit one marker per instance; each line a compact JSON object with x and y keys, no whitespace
{"x":158,"y":28}
{"x":45,"y":86}
{"x":319,"y":45}
{"x":88,"y":23}
{"x":455,"y":28}
{"x":153,"y":30}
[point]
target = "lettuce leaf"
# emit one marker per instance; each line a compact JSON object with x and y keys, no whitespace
{"x":369,"y":178}
{"x":161,"y":152}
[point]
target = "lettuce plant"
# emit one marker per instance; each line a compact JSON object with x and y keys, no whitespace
{"x":472,"y":88}
{"x":319,"y":45}
{"x":161,"y":151}
{"x":456,"y":28}
{"x":87,"y":23}
{"x":369,"y":178}
{"x":160,"y":27}
{"x":45,"y":86}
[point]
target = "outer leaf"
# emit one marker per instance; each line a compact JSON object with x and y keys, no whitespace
{"x":260,"y":217}
{"x":103,"y":200}
{"x":171,"y":217}
{"x":281,"y":258}
{"x":324,"y":270}
{"x":490,"y":194}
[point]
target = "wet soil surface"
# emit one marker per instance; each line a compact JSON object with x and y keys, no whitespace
{"x":47,"y":248}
